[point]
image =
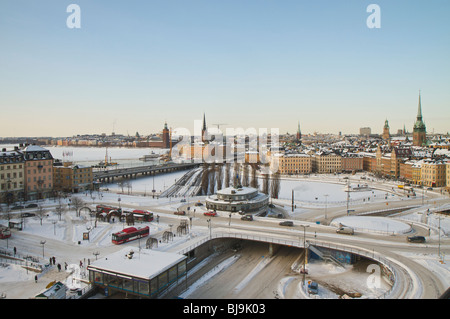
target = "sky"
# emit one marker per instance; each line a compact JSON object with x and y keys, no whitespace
{"x":133,"y":65}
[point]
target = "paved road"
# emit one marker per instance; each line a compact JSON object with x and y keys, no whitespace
{"x":415,"y":280}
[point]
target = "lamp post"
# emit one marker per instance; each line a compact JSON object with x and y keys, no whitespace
{"x":306,"y":254}
{"x":43,"y":244}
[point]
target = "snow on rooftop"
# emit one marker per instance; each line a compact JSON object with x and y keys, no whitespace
{"x":144,"y":263}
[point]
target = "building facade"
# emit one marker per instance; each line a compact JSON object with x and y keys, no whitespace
{"x":38,"y":173}
{"x":72,"y":178}
{"x":11,"y":176}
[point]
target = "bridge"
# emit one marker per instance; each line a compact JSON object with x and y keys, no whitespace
{"x":108,"y":176}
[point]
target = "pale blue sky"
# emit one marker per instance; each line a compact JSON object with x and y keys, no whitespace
{"x":245,"y":63}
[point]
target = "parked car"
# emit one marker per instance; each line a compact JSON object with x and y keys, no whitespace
{"x":313,"y":288}
{"x":416,"y":239}
{"x":181,"y":212}
{"x":210,"y":213}
{"x":183,"y":200}
{"x":345,"y":230}
{"x":287,"y":223}
{"x":198,"y":204}
{"x":247,"y":217}
{"x":17,"y":207}
{"x":31,"y":205}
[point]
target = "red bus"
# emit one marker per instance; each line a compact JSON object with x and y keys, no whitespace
{"x":106,"y":209}
{"x":5,"y":233}
{"x":129,"y":234}
{"x":143,"y":215}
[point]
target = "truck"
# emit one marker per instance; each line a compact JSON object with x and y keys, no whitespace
{"x":345,"y":230}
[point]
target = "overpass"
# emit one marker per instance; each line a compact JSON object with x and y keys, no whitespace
{"x":404,"y":282}
{"x":108,"y":176}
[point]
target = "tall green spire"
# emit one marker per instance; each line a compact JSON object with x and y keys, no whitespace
{"x":419,"y":125}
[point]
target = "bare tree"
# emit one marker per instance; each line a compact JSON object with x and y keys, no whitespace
{"x":265,"y":186}
{"x":275,"y":185}
{"x":212,"y":178}
{"x":227,"y":174}
{"x":205,"y":178}
{"x":245,"y":175}
{"x":236,"y":175}
{"x":254,"y":178}
{"x":41,"y":213}
{"x":60,"y":209}
{"x":219,"y":176}
{"x":77,"y":203}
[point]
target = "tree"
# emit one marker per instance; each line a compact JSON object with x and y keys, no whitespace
{"x":275,"y":185}
{"x":254,"y":178}
{"x":227,"y":174}
{"x":77,"y":203}
{"x":41,"y":213}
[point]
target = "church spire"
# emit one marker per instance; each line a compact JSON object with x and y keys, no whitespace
{"x":204,"y":122}
{"x":419,"y":111}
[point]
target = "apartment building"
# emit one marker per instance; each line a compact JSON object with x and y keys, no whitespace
{"x":433,"y":173}
{"x":68,"y":177}
{"x":38,"y":172}
{"x":327,"y":162}
{"x":294,"y":164}
{"x":352,"y":162}
{"x":11,"y":176}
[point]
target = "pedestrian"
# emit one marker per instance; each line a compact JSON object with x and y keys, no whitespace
{"x":65,"y":266}
{"x":15,"y":250}
{"x":50,"y":259}
{"x":35,"y":278}
{"x":59,"y":267}
{"x":54,"y":260}
{"x":81,"y":264}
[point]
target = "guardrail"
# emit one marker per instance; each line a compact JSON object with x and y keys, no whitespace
{"x":392,"y":274}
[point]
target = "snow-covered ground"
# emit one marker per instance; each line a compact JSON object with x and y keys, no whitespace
{"x":308,"y":192}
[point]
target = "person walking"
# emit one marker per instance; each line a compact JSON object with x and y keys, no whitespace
{"x":35,"y":278}
{"x":59,"y":267}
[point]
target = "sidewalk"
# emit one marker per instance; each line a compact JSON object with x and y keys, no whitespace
{"x":29,"y":289}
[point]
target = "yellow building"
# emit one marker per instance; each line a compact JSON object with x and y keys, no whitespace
{"x":433,"y":173}
{"x":289,"y":164}
{"x":72,"y":178}
{"x":447,"y":175}
{"x":11,"y":176}
{"x":327,"y":162}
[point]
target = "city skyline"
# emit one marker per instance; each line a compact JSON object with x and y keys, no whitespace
{"x":249,"y":64}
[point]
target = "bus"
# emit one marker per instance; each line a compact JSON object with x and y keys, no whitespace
{"x":143,"y":215}
{"x":129,"y":234}
{"x":5,"y":232}
{"x":106,"y":209}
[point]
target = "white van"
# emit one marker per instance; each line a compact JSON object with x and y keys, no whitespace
{"x":345,"y":230}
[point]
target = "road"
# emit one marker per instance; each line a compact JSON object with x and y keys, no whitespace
{"x":414,"y":279}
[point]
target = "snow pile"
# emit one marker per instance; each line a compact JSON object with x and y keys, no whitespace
{"x":372,"y":224}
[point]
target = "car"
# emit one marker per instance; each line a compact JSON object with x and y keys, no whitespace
{"x":17,"y":207}
{"x":313,"y":288}
{"x":287,"y":223}
{"x":210,"y":213}
{"x":247,"y":217}
{"x":345,"y":230}
{"x":416,"y":239}
{"x":181,"y":212}
{"x":198,"y":204}
{"x":183,"y":200}
{"x":31,"y":205}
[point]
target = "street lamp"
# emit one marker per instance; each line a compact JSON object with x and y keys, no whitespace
{"x":306,"y":254}
{"x":42,"y":243}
